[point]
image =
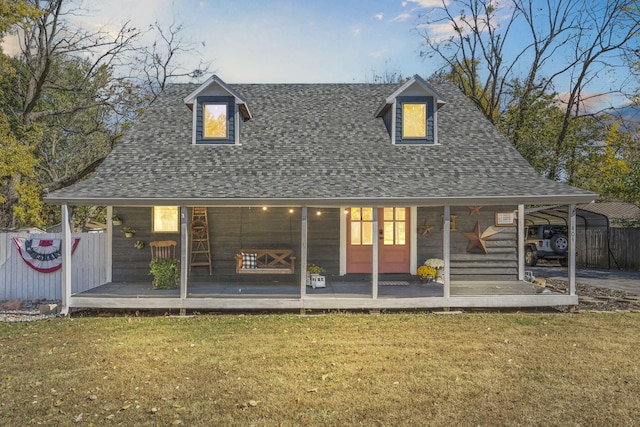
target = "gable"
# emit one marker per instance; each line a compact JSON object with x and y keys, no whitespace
{"x":218,"y":113}
{"x":418,"y":99}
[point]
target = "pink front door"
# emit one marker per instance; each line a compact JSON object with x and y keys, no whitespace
{"x":392,"y":235}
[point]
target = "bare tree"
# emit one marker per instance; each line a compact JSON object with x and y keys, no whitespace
{"x":51,"y":38}
{"x":544,"y":46}
{"x":158,"y":64}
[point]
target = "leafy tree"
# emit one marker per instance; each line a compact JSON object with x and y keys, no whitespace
{"x":612,"y":167}
{"x":15,"y":158}
{"x":71,"y":96}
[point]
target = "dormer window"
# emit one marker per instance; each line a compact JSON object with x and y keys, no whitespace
{"x":410,"y":114}
{"x":414,"y":120}
{"x":218,"y":113}
{"x":214,"y":119}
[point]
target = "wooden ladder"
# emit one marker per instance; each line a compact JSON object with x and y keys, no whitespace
{"x":200,"y":246}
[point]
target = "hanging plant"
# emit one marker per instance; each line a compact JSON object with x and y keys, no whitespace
{"x":166,"y":273}
{"x":128,"y":232}
{"x":139,"y":244}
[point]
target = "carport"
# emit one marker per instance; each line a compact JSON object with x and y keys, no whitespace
{"x":592,"y":232}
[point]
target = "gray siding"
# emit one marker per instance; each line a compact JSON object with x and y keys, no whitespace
{"x":499,"y":263}
{"x":131,"y":264}
{"x":232,"y":229}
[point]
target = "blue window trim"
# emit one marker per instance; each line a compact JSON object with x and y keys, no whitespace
{"x":231,"y":131}
{"x":430,"y":103}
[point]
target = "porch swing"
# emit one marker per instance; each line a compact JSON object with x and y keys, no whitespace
{"x":264,"y":261}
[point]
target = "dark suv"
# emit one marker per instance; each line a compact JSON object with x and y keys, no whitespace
{"x":546,"y":242}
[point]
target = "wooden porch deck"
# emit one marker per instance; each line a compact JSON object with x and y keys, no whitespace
{"x":341,"y":287}
{"x":338,"y":294}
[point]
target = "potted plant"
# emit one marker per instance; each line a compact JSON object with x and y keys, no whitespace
{"x":128,"y":232}
{"x":314,"y":269}
{"x":426,"y":273}
{"x":438,"y":264}
{"x":166,"y":273}
{"x":315,"y":278}
{"x":116,"y":220}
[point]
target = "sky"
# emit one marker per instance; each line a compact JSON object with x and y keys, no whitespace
{"x":293,"y":41}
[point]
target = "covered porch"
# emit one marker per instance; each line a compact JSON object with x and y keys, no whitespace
{"x":343,"y":291}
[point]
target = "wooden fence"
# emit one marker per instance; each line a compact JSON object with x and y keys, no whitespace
{"x":618,"y":250}
{"x":19,"y":280}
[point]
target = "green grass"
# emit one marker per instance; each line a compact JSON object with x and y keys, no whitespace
{"x":339,"y":369}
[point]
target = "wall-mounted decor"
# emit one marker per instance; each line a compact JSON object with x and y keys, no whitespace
{"x":43,"y":255}
{"x":425,"y":228}
{"x":453,"y":222}
{"x":474,"y":210}
{"x":505,"y":219}
{"x":477,"y":239}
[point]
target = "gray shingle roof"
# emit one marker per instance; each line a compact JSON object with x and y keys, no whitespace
{"x":314,"y":141}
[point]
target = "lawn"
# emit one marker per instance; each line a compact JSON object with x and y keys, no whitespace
{"x":338,"y":369}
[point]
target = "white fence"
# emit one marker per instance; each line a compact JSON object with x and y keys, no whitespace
{"x":19,"y":280}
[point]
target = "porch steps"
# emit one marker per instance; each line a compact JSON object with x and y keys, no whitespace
{"x":200,"y":242}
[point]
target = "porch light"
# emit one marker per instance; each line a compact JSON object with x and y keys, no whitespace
{"x":290,"y":211}
{"x":264,"y":208}
{"x":318,"y":213}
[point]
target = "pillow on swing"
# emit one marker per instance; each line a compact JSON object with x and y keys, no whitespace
{"x":249,"y":260}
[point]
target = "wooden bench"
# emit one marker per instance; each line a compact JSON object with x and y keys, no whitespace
{"x":268,"y":261}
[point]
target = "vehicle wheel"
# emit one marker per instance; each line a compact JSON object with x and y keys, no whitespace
{"x":564,"y":262}
{"x":530,"y":259}
{"x":559,"y":243}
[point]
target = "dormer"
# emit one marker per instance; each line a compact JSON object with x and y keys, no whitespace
{"x":410,"y":113}
{"x":218,"y":113}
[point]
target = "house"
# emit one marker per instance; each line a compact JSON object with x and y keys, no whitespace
{"x":366,"y":180}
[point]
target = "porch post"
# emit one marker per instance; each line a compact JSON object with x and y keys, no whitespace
{"x":109,"y":248}
{"x":343,"y":240}
{"x":184,"y":252}
{"x":572,"y":250}
{"x":520,"y":241}
{"x":413,"y":239}
{"x":66,"y":260}
{"x":303,"y":252}
{"x":446,"y":249}
{"x":374,"y":256}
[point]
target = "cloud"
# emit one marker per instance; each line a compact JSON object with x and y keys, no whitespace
{"x":402,"y":17}
{"x":356,"y":32}
{"x":11,"y":45}
{"x":378,"y":16}
{"x":379,"y":53}
{"x":592,"y":102}
{"x":425,"y":3}
{"x":438,"y":32}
